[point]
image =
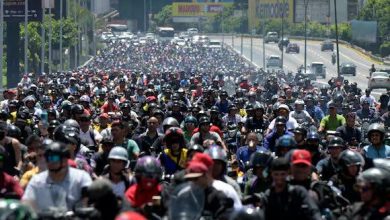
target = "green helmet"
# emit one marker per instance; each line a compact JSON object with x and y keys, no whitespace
{"x":14,"y":209}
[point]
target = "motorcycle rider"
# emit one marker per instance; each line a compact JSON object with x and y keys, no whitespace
{"x":365,"y":111}
{"x":314,"y":147}
{"x":300,"y":114}
{"x":377,"y":148}
{"x":332,"y":121}
{"x":220,"y":159}
{"x":244,"y":153}
{"x":301,"y":168}
{"x":328,"y":166}
{"x":270,"y":139}
{"x":314,"y":111}
{"x":370,"y":98}
{"x":260,"y":163}
{"x":333,"y":58}
{"x":300,"y":137}
{"x":286,"y":201}
{"x":283,"y":110}
{"x":9,"y":187}
{"x":174,"y":157}
{"x":257,"y":122}
{"x":350,"y":164}
{"x":349,"y":132}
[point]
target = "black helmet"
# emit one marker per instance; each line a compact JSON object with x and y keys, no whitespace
{"x":300,"y":130}
{"x":247,"y":213}
{"x":217,"y":153}
{"x":260,"y":159}
{"x":77,"y":109}
{"x":204,"y":120}
{"x":214,"y":109}
{"x":174,"y":135}
{"x":378,"y":178}
{"x":336,"y":142}
{"x":259,"y":107}
{"x":313,"y":135}
{"x":170,"y":121}
{"x":376,"y":127}
{"x":249,"y":107}
{"x":195,"y":147}
{"x":348,"y":158}
{"x":57,"y":148}
{"x":191,"y":119}
{"x":72,"y":123}
{"x":148,"y":166}
{"x":54,"y":124}
{"x":67,"y":135}
{"x":280,"y":120}
{"x":14,"y":131}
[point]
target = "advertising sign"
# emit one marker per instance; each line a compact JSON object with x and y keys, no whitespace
{"x":14,"y":10}
{"x":182,"y":9}
{"x":269,"y":9}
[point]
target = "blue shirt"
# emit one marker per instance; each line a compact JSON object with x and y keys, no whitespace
{"x":315,"y":112}
{"x":244,"y":153}
{"x":270,"y":140}
{"x":372,"y":153}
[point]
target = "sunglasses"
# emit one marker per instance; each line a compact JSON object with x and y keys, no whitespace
{"x":53,"y":158}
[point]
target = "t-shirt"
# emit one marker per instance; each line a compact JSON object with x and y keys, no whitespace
{"x":229,"y":191}
{"x":197,"y":139}
{"x":331,"y":123}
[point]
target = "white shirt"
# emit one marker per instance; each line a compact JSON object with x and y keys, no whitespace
{"x":119,"y":189}
{"x":229,"y":191}
{"x":291,"y":124}
{"x":370,"y":99}
{"x":86,"y":137}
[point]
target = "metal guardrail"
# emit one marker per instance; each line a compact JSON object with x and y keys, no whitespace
{"x":365,"y":52}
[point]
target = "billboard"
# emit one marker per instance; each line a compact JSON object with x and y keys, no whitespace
{"x":197,"y":9}
{"x":14,"y":10}
{"x":269,"y":9}
{"x":364,"y":31}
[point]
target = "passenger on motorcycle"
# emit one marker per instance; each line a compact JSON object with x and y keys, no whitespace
{"x":377,"y":148}
{"x":232,"y":116}
{"x":370,"y":98}
{"x":302,"y":172}
{"x":365,"y":111}
{"x":300,"y":136}
{"x":314,"y":111}
{"x":314,"y":147}
{"x":174,"y":156}
{"x":291,"y":123}
{"x":223,"y":103}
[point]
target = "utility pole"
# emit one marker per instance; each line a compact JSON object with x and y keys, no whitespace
{"x":242,"y":29}
{"x":25,"y":36}
{"x":43,"y":33}
{"x":50,"y":37}
{"x":337,"y":39}
{"x":306,"y":2}
{"x":1,"y":42}
{"x":283,"y":9}
{"x":61,"y":26}
{"x":264,"y":17}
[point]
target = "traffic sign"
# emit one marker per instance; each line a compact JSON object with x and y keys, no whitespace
{"x":14,"y":10}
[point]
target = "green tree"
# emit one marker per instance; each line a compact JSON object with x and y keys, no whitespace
{"x":164,"y":17}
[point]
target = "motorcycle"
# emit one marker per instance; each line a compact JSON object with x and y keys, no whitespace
{"x":333,"y":59}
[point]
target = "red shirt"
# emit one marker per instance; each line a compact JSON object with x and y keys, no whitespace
{"x":8,"y":185}
{"x":106,"y":108}
{"x":212,"y":128}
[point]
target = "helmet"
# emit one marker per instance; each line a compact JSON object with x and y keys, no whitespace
{"x":85,"y":98}
{"x":286,"y":141}
{"x":191,"y":119}
{"x":77,"y":109}
{"x":54,"y":124}
{"x":214,"y":109}
{"x":349,"y":158}
{"x":336,"y":142}
{"x":170,"y":121}
{"x":72,"y":123}
{"x":46,"y":100}
{"x":66,"y":105}
{"x":339,"y":98}
{"x":223,"y":93}
{"x":300,"y":130}
{"x":217,"y":153}
{"x":148,"y":166}
{"x":14,"y":209}
{"x":118,"y":153}
{"x":57,"y":148}
{"x":283,"y":106}
{"x":378,"y":178}
{"x":376,"y":127}
{"x":174,"y":135}
{"x":232,"y":106}
{"x":204,"y":120}
{"x":382,"y":163}
{"x":67,"y":134}
{"x":260,"y":159}
{"x":249,"y":107}
{"x":196,"y":147}
{"x":14,"y":131}
{"x":298,"y":102}
{"x":258,"y":107}
{"x":247,"y":213}
{"x":280,"y":120}
{"x":313,"y":135}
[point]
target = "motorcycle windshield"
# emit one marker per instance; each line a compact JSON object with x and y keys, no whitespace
{"x":187,"y":202}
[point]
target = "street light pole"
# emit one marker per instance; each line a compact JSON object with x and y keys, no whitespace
{"x":1,"y":43}
{"x":145,"y":16}
{"x":283,"y":8}
{"x":61,"y":26}
{"x":242,"y":29}
{"x":337,"y":39}
{"x":43,"y":38}
{"x":306,"y":2}
{"x":25,"y":36}
{"x":50,"y":37}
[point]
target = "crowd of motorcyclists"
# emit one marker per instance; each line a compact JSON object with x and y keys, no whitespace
{"x":157,"y":130}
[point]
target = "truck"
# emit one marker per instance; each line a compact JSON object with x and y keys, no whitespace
{"x":318,"y":69}
{"x":271,"y":37}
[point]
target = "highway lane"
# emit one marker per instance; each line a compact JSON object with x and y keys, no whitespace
{"x":292,"y":61}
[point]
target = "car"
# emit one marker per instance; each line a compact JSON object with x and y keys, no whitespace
{"x":292,"y":47}
{"x":379,"y":80}
{"x":284,"y":42}
{"x":274,"y":63}
{"x":348,"y":69}
{"x":318,"y":68}
{"x":271,"y":37}
{"x":192,"y":31}
{"x":215,"y":44}
{"x":327,"y":45}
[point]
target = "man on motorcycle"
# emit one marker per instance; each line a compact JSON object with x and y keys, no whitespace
{"x":283,"y":110}
{"x":314,"y":111}
{"x":349,"y":132}
{"x":377,"y":148}
{"x":301,"y":115}
{"x":260,"y":163}
{"x":328,"y":166}
{"x":244,"y":153}
{"x":257,"y":122}
{"x":174,"y":157}
{"x":270,"y":139}
{"x":370,"y":98}
{"x":332,"y":121}
{"x":365,"y":112}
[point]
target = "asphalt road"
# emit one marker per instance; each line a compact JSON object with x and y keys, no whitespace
{"x":291,"y":61}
